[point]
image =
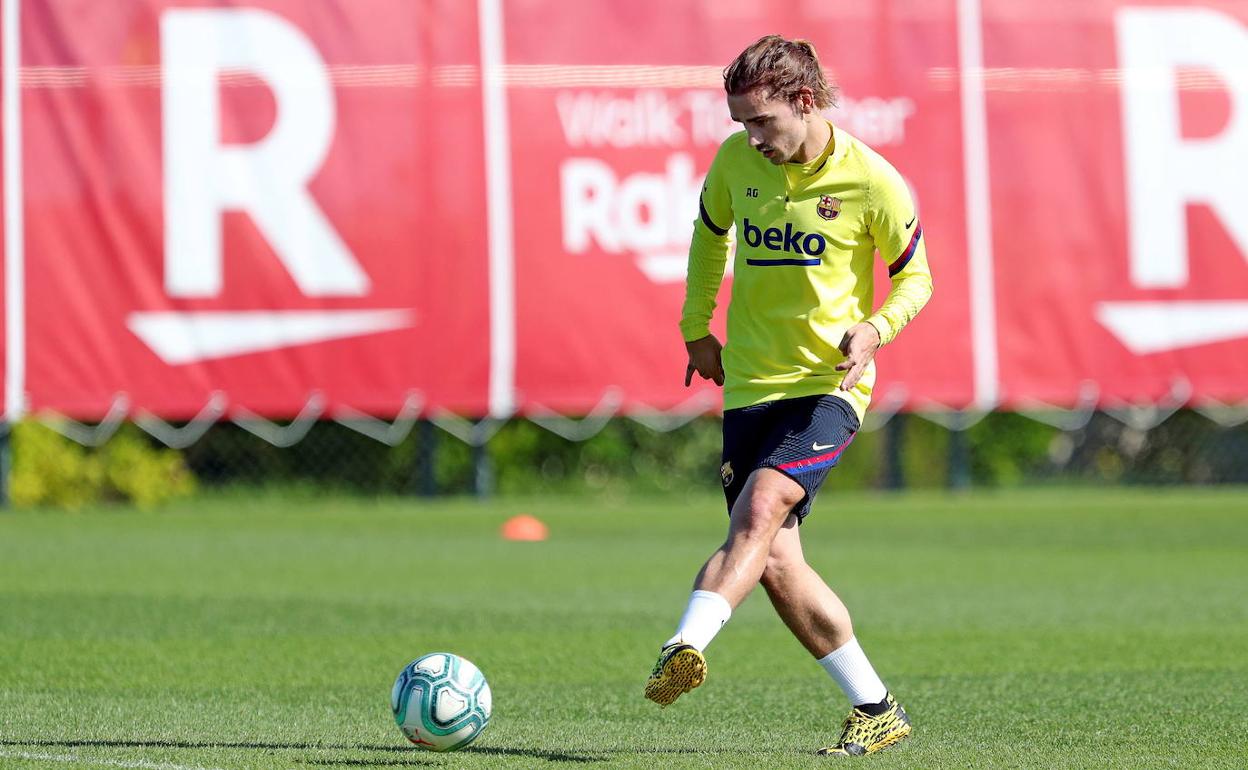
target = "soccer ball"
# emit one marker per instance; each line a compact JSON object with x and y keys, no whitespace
{"x":441,"y":701}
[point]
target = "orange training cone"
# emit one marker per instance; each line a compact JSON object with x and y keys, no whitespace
{"x":524,"y":527}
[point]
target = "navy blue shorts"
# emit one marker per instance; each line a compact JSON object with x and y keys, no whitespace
{"x":800,"y":437}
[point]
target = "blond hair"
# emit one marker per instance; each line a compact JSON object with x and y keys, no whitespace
{"x":781,"y":67}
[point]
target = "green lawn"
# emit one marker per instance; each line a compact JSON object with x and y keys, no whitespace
{"x":1022,"y":629}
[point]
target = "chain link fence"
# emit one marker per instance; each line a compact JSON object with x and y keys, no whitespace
{"x":139,"y":458}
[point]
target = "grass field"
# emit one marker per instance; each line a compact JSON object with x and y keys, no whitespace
{"x":1071,"y":629}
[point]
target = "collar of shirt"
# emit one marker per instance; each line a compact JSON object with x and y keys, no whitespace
{"x":832,"y":153}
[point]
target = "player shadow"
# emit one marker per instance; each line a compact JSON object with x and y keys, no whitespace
{"x":601,"y":755}
{"x":412,"y":756}
{"x":546,"y":754}
{"x":438,"y":759}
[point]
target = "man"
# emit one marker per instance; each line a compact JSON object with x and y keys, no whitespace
{"x":811,"y":206}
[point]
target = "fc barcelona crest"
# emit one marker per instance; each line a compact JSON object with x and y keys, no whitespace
{"x":829,"y":207}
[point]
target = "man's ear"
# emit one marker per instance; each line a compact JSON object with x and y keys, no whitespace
{"x":804,"y":102}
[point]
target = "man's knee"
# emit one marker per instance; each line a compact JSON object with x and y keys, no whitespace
{"x":774,"y":497}
{"x":761,"y":516}
{"x":763,"y":507}
{"x":782,"y":564}
{"x":773,"y":578}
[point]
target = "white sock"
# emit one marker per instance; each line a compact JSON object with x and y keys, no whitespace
{"x":706,"y":614}
{"x":849,"y":666}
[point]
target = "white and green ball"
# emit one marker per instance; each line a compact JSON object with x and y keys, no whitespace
{"x":441,"y":701}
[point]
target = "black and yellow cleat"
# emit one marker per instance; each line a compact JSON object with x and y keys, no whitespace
{"x":865,"y":734}
{"x":680,"y":668}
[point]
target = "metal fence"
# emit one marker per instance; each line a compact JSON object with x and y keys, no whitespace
{"x":422,"y":454}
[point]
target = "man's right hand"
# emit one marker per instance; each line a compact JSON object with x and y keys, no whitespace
{"x":704,"y":358}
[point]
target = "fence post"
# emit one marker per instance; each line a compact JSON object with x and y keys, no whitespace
{"x":427,"y":459}
{"x":959,"y":459}
{"x":894,"y":439}
{"x":482,"y":471}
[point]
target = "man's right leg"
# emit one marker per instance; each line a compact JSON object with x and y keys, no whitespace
{"x":759,"y":513}
{"x":724,"y":581}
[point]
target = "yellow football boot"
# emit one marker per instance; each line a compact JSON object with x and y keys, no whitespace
{"x":865,"y":734}
{"x":680,"y":668}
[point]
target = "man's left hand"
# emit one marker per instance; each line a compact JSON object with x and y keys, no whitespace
{"x":858,"y":345}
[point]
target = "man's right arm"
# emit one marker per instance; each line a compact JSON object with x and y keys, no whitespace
{"x":708,"y":254}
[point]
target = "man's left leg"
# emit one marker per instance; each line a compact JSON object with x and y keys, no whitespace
{"x":820,"y":621}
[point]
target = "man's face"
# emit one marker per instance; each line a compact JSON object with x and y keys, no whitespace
{"x":776,"y":126}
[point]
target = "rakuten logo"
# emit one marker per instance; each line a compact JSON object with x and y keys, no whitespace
{"x":1166,"y":171}
{"x":635,"y":212}
{"x":206,"y":177}
{"x":646,"y":214}
{"x":790,"y":240}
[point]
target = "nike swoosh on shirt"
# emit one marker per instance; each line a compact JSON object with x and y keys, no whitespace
{"x":911,"y":222}
{"x":817,"y":446}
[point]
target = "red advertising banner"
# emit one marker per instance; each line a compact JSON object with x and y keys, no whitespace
{"x":267,"y":201}
{"x":480,"y":204}
{"x":1117,"y":132}
{"x":609,"y":154}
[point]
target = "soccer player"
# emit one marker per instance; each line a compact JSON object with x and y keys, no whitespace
{"x":811,"y":205}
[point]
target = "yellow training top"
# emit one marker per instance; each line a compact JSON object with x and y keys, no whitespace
{"x":806,"y":237}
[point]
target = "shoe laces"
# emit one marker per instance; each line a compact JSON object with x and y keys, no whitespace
{"x":658,"y":665}
{"x":858,"y":726}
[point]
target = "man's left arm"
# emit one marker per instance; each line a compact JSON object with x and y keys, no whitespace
{"x":898,"y":233}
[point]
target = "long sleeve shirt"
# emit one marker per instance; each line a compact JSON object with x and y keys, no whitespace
{"x":806,"y":237}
